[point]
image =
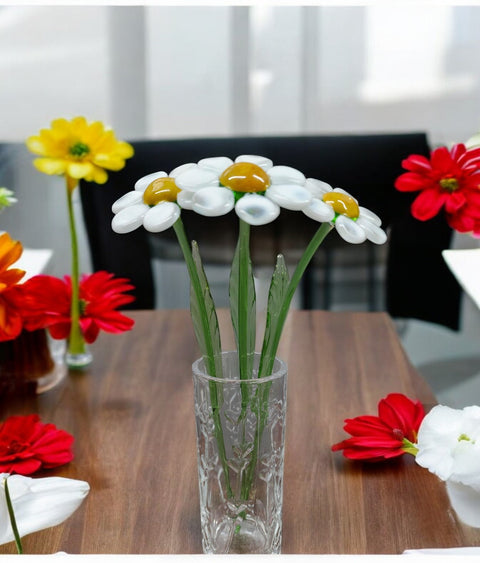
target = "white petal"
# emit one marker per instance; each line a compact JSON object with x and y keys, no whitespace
{"x":39,"y":503}
{"x":317,"y":187}
{"x":185,"y":199}
{"x":290,"y":197}
{"x":319,"y":211}
{"x":196,"y":178}
{"x":161,"y":217}
{"x":349,"y":230}
{"x":142,"y":184}
{"x":473,"y":142}
{"x":465,"y":501}
{"x":179,"y":169}
{"x":130,"y":198}
{"x":130,"y":218}
{"x":213,"y":202}
{"x":374,"y":234}
{"x":286,"y":175}
{"x":217,"y":163}
{"x":370,"y":215}
{"x":255,"y":209}
{"x":261,"y":161}
{"x":436,"y":462}
{"x":441,"y":421}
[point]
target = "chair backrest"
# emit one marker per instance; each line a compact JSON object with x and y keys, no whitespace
{"x":365,"y":165}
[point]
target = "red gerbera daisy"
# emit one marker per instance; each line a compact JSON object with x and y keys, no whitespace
{"x":48,"y":299}
{"x":390,"y":434}
{"x":449,"y":179}
{"x":27,"y":445}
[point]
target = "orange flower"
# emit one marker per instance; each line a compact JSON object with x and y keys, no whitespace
{"x":10,"y":314}
{"x":10,"y":252}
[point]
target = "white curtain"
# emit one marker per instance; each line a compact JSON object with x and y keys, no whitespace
{"x":191,"y":71}
{"x":183,"y":71}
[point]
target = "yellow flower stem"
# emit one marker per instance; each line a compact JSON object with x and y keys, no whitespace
{"x":76,"y":342}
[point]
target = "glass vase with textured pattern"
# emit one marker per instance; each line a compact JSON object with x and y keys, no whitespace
{"x":240,"y":447}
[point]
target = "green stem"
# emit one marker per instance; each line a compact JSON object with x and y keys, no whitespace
{"x":76,"y":342}
{"x":266,"y":363}
{"x":11,"y":514}
{"x":409,"y":448}
{"x":244,"y":326}
{"x":197,"y":288}
{"x":267,"y":359}
{"x":210,"y":356}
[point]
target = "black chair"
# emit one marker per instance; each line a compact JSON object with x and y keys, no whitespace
{"x":365,"y":165}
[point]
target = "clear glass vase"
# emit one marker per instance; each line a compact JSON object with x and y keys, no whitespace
{"x":240,"y":448}
{"x":31,"y":363}
{"x":78,"y":355}
{"x":79,"y":360}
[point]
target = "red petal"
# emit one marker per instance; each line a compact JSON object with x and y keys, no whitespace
{"x":26,"y":467}
{"x":455,"y":201}
{"x":441,"y":159}
{"x":428,"y":203}
{"x":412,"y":182}
{"x":417,"y":163}
{"x":398,"y":411}
{"x":462,"y":223}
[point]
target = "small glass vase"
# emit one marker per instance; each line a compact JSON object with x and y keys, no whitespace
{"x":78,"y":355}
{"x":79,"y":360}
{"x":31,"y":363}
{"x":240,"y":452}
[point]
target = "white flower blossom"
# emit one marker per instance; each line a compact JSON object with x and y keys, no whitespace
{"x":251,"y":185}
{"x":354,"y":223}
{"x":449,"y":444}
{"x":38,"y":503}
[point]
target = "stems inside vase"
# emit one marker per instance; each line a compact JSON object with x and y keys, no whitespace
{"x":77,"y":353}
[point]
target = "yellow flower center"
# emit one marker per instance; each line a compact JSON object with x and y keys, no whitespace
{"x":245,"y":177}
{"x":342,"y":204}
{"x":79,"y":150}
{"x":161,"y":189}
{"x":449,"y":184}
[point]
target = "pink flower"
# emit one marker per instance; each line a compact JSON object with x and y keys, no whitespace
{"x":390,"y":434}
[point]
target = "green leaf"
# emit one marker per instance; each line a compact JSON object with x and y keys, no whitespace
{"x":276,"y":298}
{"x":243,"y":302}
{"x":204,"y":316}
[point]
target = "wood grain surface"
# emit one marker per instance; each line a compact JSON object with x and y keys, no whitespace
{"x":132,"y":417}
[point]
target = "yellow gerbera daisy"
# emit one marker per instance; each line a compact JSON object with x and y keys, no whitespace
{"x":79,"y":149}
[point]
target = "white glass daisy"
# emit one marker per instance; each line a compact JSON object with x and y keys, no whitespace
{"x":256,"y":189}
{"x":156,"y":202}
{"x":354,"y":223}
{"x":212,"y":187}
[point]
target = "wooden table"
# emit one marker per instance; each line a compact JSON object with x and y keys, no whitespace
{"x":132,"y":417}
